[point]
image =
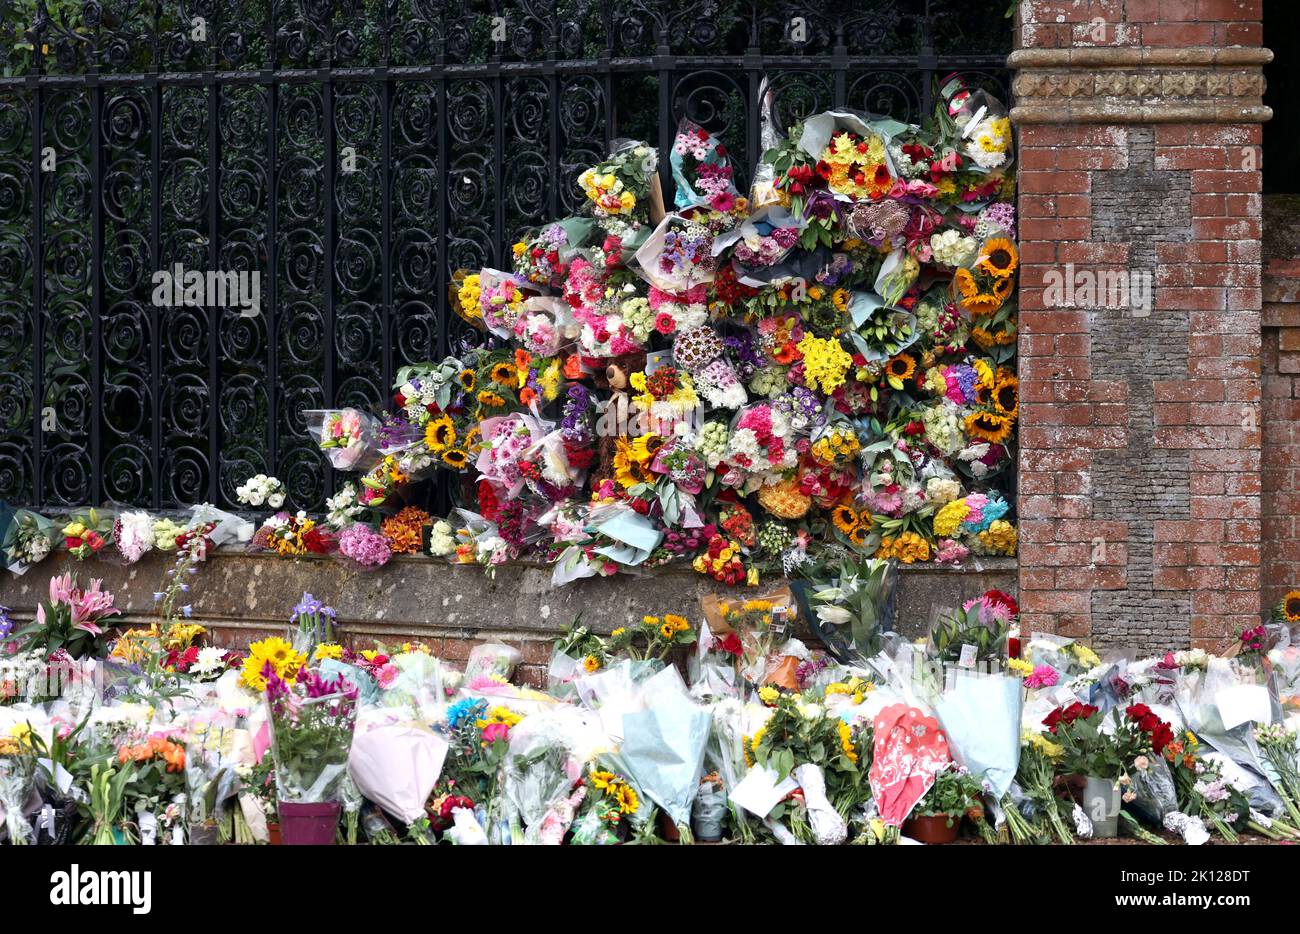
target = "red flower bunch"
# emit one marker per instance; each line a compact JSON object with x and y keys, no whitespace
{"x":181,"y":661}
{"x":1067,"y":715}
{"x":731,"y":645}
{"x":1160,"y":733}
{"x":799,"y":179}
{"x":488,"y":505}
{"x":440,"y":810}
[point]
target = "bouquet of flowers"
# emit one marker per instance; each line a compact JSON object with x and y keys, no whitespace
{"x":27,"y":540}
{"x":347,"y":436}
{"x":86,"y":535}
{"x":311,"y":624}
{"x":261,"y":489}
{"x":312,"y":720}
{"x":70,"y":620}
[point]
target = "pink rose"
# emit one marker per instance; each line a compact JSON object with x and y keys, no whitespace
{"x":387,"y":675}
{"x":495,"y":731}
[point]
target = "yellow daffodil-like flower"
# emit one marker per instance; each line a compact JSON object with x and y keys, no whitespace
{"x":825,"y":362}
{"x":1086,"y":656}
{"x":846,"y":742}
{"x":769,"y":695}
{"x":328,"y":650}
{"x":1000,"y":537}
{"x":591,"y":663}
{"x":1020,"y":667}
{"x":950,"y":517}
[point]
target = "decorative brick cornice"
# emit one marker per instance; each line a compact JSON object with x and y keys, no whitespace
{"x":1125,"y":85}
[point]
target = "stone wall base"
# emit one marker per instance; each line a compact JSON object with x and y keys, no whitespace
{"x":242,"y":597}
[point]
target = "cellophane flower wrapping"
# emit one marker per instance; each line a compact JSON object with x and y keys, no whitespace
{"x":397,"y":766}
{"x":311,"y":734}
{"x":663,"y":751}
{"x":17,"y":782}
{"x":540,"y":771}
{"x":349,"y":437}
{"x":980,"y":714}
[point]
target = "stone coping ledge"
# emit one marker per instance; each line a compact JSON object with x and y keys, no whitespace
{"x":1112,"y":57}
{"x":243,"y":596}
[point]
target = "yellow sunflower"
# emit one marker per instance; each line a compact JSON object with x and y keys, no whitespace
{"x":859,"y":535}
{"x":998,"y":258}
{"x":439,"y":434}
{"x":468,"y":380}
{"x":504,"y":374}
{"x":631,"y":467}
{"x":965,"y":283}
{"x":899,"y":369}
{"x":1291,"y":606}
{"x":845,"y":518}
{"x":988,"y":426}
{"x":981,"y":303}
{"x":1006,"y":397}
{"x":1002,"y":288}
{"x":455,"y":458}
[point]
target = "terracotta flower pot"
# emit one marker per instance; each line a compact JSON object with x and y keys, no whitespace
{"x":314,"y":824}
{"x":933,"y":829}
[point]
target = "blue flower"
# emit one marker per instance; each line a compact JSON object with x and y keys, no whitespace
{"x":465,"y":709}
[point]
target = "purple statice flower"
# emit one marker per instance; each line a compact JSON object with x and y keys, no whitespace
{"x":6,"y":624}
{"x":396,"y":432}
{"x":831,"y":274}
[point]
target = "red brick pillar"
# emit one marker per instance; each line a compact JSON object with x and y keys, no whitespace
{"x":1139,"y":128}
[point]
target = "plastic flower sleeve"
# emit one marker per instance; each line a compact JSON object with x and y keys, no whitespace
{"x":17,"y":781}
{"x":980,"y":715}
{"x":349,"y":437}
{"x":491,"y":658}
{"x":539,"y":774}
{"x":397,"y":767}
{"x":663,"y":748}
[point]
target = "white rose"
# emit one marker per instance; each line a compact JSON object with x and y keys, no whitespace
{"x":275,"y":500}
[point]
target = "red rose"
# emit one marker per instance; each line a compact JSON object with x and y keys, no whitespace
{"x":1138,"y":711}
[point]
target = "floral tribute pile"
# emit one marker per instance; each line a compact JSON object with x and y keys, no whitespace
{"x":820,"y":368}
{"x":725,"y":727}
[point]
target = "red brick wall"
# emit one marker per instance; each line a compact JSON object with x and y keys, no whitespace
{"x":1281,"y":468}
{"x":1140,"y":443}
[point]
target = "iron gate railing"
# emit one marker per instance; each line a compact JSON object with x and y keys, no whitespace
{"x":354,"y":154}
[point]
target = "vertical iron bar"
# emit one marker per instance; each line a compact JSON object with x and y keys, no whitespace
{"x":155,"y":251}
{"x":270,"y":309}
{"x":663,"y":65}
{"x":38,"y":297}
{"x":214,"y":263}
{"x":442,"y":183}
{"x":553,"y":127}
{"x":386,"y":242}
{"x":97,"y":288}
{"x":327,"y":104}
{"x":498,"y":157}
{"x":386,"y":329}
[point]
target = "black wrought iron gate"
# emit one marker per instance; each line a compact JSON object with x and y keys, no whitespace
{"x":354,"y":153}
